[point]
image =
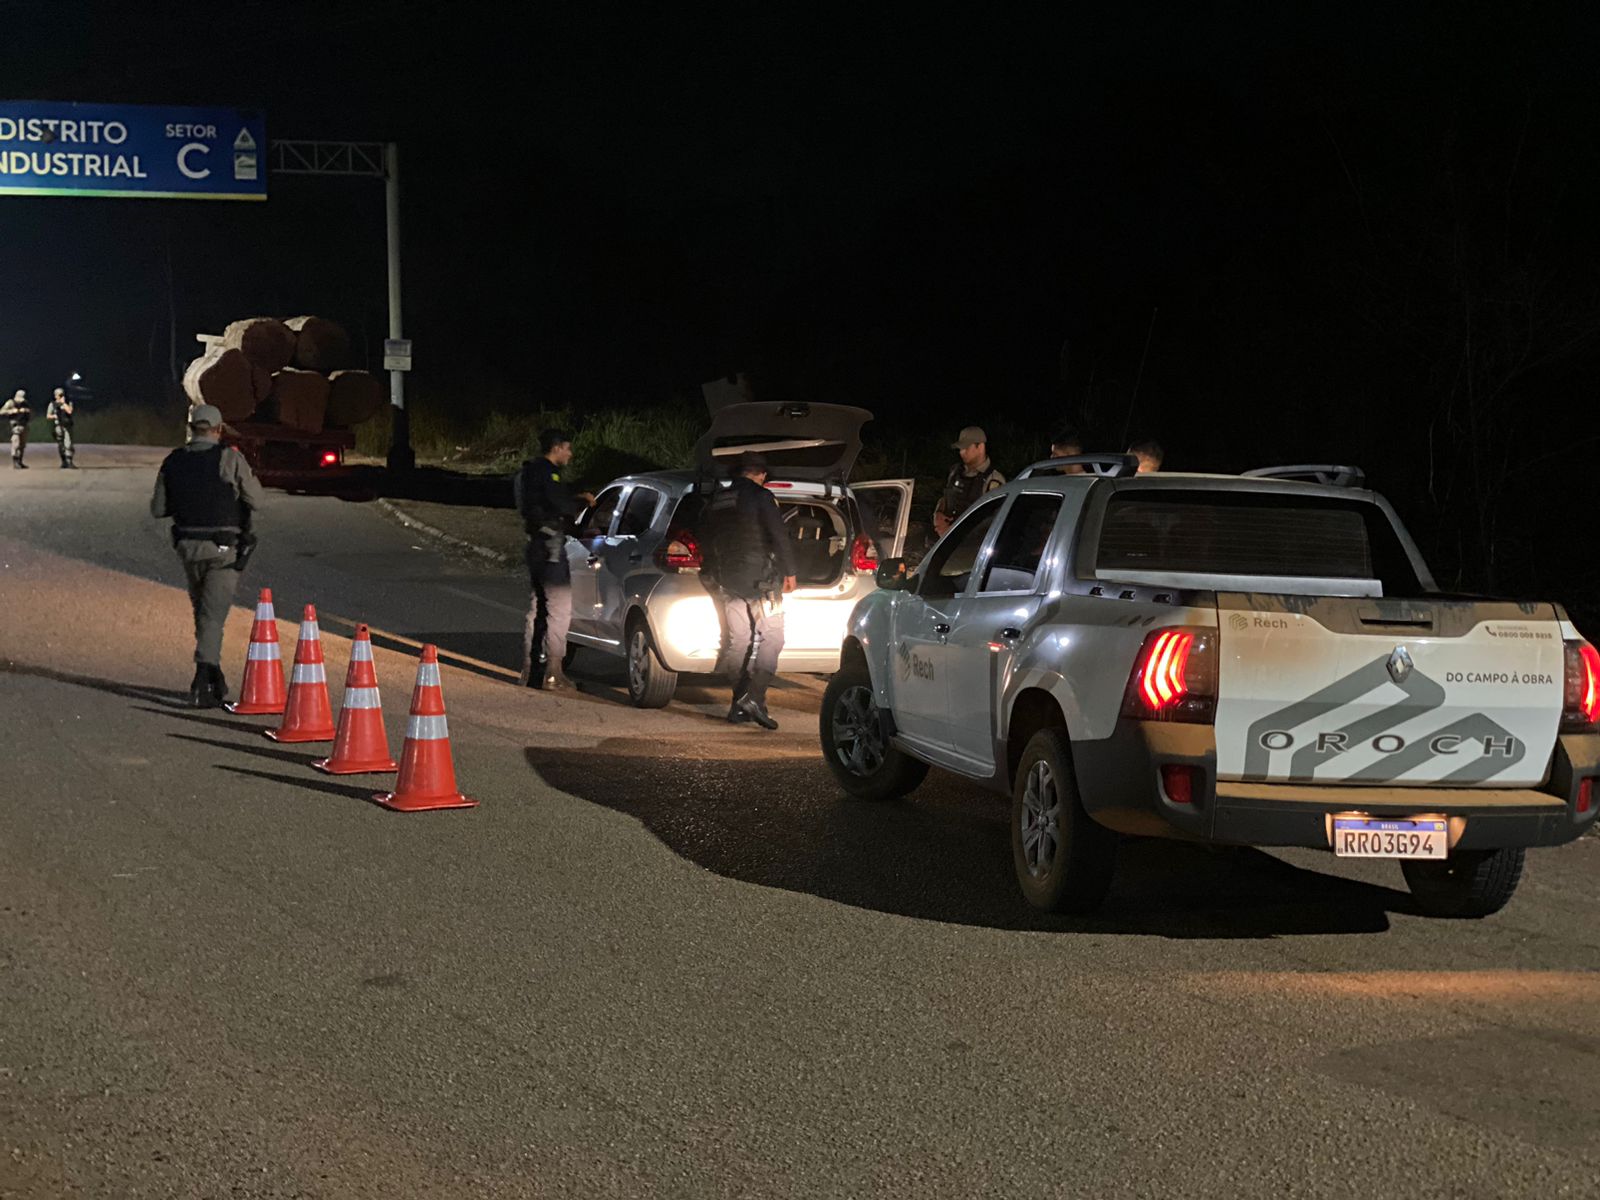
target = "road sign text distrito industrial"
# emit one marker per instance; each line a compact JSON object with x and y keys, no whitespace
{"x":49,"y":148}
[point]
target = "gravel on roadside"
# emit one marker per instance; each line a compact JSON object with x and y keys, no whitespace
{"x":494,"y":533}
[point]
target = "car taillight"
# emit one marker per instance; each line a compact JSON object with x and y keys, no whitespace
{"x":680,"y":552}
{"x":1580,"y":707}
{"x":863,"y":555}
{"x":330,"y":458}
{"x":1174,"y":678}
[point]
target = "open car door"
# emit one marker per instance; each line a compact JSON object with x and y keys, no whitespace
{"x":885,"y":506}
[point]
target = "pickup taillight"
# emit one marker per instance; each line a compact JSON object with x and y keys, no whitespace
{"x":680,"y":552}
{"x":1175,"y":677}
{"x":1580,"y":708}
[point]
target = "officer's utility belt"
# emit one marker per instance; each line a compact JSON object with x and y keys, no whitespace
{"x":220,"y":534}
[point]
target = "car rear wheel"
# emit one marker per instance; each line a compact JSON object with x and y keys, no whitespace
{"x":1063,"y":859}
{"x":853,"y":743}
{"x":650,"y":685}
{"x":1473,"y":884}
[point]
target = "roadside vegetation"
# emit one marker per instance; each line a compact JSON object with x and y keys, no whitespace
{"x":608,"y":443}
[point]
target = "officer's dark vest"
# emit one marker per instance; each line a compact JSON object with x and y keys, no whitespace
{"x":200,"y":500}
{"x":961,"y":489}
{"x":739,"y":554}
{"x":537,"y":517}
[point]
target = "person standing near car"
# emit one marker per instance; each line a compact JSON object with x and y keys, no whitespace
{"x":748,"y":562}
{"x":547,"y":506}
{"x":17,"y":412}
{"x":972,"y":477}
{"x":211,"y":494}
{"x":60,"y":414}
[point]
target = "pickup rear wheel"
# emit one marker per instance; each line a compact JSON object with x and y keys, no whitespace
{"x":1063,"y":859}
{"x":1473,"y":884}
{"x":857,"y":753}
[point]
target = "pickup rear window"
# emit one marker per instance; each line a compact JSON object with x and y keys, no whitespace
{"x":1254,"y":534}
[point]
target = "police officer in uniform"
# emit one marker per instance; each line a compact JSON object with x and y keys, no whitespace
{"x":60,"y":412}
{"x":16,"y":411}
{"x":210,"y":493}
{"x":547,"y":506}
{"x":750,"y":568}
{"x":972,"y":477}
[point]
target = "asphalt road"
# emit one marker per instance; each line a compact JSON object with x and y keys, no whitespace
{"x":663,"y":956}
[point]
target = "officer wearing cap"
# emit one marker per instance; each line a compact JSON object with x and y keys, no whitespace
{"x":748,"y":563}
{"x":60,"y":414}
{"x":17,"y":412}
{"x":210,"y":493}
{"x":969,"y":479}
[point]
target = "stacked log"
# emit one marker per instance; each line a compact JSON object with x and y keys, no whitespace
{"x":224,"y":378}
{"x":246,"y":372}
{"x":354,"y":397}
{"x":265,"y":341}
{"x":299,"y":399}
{"x":320,"y":344}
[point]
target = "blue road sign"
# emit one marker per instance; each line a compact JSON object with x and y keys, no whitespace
{"x":59,"y":149}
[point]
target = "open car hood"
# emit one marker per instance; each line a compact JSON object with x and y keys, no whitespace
{"x":816,"y":442}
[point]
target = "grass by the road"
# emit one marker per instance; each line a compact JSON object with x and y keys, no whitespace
{"x":606,"y":443}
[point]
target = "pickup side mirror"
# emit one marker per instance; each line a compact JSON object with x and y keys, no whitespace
{"x":892,"y":574}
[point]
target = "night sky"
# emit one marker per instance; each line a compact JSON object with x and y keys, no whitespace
{"x":1257,"y":233}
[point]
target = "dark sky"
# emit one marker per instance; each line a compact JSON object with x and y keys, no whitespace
{"x":1255,"y":231}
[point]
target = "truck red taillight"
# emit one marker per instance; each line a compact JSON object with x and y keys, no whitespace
{"x":680,"y":552}
{"x":1175,"y":677}
{"x":1580,"y":709}
{"x":863,"y":555}
{"x":330,"y":458}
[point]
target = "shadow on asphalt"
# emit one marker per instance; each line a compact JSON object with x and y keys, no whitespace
{"x":314,"y":783}
{"x":294,"y":758}
{"x":168,"y":698}
{"x":942,"y":854}
{"x":604,"y":677}
{"x":236,"y":724}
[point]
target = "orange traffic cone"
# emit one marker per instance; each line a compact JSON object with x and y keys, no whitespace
{"x":360,"y":747}
{"x":262,"y":689}
{"x":307,"y":716}
{"x":427,"y":772}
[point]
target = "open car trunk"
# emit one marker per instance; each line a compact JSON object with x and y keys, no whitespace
{"x":819,"y":535}
{"x":813,"y":442}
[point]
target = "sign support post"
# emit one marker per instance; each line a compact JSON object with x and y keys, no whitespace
{"x":401,"y":456}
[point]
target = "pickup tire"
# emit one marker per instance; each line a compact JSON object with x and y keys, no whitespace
{"x":1471,"y":885}
{"x":853,"y":745}
{"x":650,"y":684}
{"x":1063,"y":859}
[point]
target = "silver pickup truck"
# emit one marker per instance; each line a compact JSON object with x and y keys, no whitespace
{"x":1249,"y":660}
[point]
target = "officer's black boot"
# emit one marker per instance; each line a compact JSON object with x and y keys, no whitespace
{"x":219,"y":685}
{"x":200,"y":688}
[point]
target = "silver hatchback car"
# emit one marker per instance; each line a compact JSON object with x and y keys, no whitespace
{"x":635,"y":556}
